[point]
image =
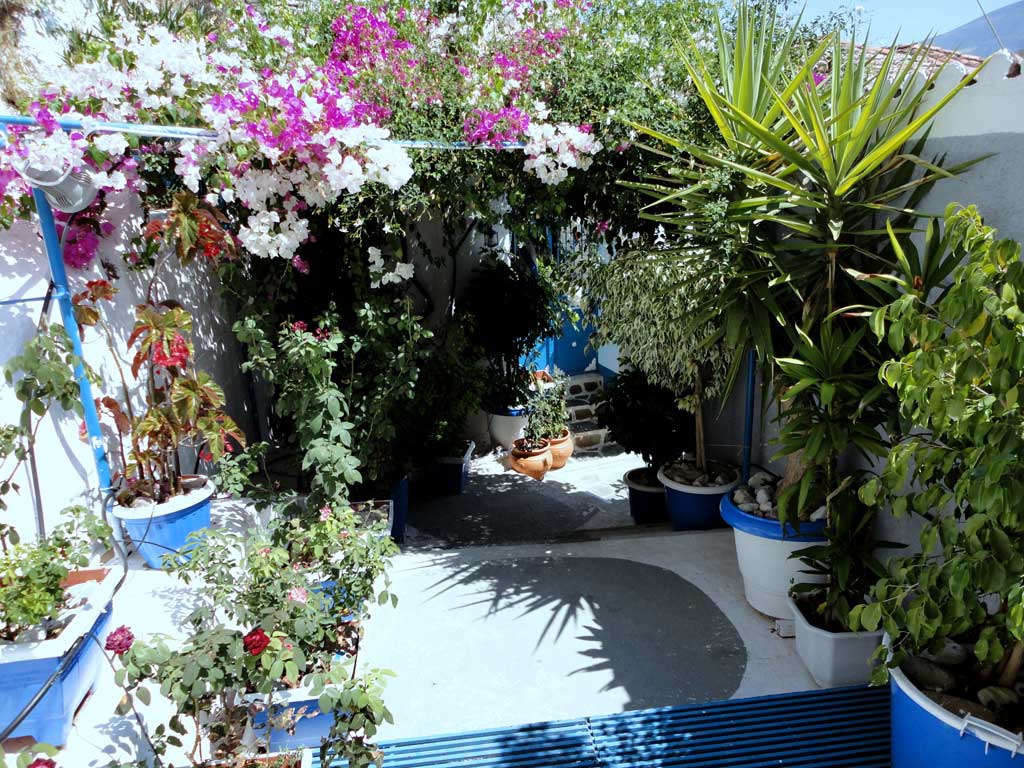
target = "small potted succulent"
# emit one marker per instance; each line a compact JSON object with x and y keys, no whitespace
{"x":50,"y":604}
{"x":644,"y":419}
{"x":158,"y":505}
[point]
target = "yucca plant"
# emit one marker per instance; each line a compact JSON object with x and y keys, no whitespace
{"x":826,"y":152}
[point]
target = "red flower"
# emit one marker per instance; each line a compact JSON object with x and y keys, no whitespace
{"x":299,"y":326}
{"x":256,"y":641}
{"x":120,"y":640}
{"x":42,"y":762}
{"x":178,"y":357}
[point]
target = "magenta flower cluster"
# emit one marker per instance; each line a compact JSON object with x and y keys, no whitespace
{"x":497,"y":128}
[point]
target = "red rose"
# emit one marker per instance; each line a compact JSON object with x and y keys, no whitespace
{"x":256,"y":641}
{"x":119,"y":641}
{"x":42,"y":762}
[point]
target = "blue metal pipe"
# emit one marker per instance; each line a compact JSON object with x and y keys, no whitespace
{"x":67,"y":312}
{"x":748,"y":420}
{"x":56,"y":295}
{"x":181,"y":132}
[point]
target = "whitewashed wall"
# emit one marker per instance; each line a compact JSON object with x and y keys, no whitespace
{"x":65,"y":463}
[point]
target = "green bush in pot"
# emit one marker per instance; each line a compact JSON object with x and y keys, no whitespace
{"x":645,"y":419}
{"x":960,"y":468}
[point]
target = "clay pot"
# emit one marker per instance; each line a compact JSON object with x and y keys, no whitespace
{"x":561,"y":449}
{"x":529,"y":460}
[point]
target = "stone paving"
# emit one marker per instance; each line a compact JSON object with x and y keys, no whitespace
{"x":500,"y":506}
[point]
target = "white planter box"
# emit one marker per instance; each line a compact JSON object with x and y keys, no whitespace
{"x":834,"y":659}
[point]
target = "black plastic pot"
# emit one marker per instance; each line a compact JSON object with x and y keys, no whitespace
{"x":646,"y":496}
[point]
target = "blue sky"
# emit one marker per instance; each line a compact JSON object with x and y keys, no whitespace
{"x":913,"y":19}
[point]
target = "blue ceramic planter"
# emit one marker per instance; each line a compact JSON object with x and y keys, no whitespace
{"x":924,"y":735}
{"x":23,"y":670}
{"x":691,"y":508}
{"x":164,"y":528}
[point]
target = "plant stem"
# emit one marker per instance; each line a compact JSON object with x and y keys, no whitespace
{"x":1013,"y":664}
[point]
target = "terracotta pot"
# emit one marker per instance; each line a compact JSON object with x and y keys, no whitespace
{"x":533,"y":463}
{"x":561,"y":449}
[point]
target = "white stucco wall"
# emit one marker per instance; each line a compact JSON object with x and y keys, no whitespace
{"x":65,"y":463}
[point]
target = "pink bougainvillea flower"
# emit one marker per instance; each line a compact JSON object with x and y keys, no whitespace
{"x":298,"y":594}
{"x":256,"y":642}
{"x":602,"y":227}
{"x":325,"y":513}
{"x":42,"y":762}
{"x":119,"y":641}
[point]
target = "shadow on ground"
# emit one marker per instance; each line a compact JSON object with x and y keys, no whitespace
{"x":663,"y":641}
{"x":509,"y":508}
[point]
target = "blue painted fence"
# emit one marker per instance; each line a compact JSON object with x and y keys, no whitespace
{"x":814,"y":729}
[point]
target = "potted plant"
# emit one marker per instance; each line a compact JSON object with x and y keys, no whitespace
{"x":447,"y":393}
{"x":954,"y":610}
{"x":511,"y":305}
{"x":548,"y":418}
{"x":51,"y":603}
{"x":669,"y":340}
{"x":803,"y":256}
{"x":644,"y":419}
{"x":159,"y":506}
{"x":269,"y":663}
{"x":531,"y":455}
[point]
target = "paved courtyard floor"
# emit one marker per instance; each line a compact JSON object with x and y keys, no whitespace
{"x":519,"y":602}
{"x":493,"y":636}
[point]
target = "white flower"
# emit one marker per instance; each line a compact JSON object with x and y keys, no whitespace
{"x":111,"y":143}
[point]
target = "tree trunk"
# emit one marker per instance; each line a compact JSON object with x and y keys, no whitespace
{"x":698,"y":418}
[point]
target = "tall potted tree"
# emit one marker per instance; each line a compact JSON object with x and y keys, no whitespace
{"x":797,"y":291}
{"x":510,"y":305}
{"x":645,"y":301}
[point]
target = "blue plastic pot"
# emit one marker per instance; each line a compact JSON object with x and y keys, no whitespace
{"x":691,"y":508}
{"x":164,"y":529}
{"x":646,"y":497}
{"x":924,"y":735}
{"x":50,"y":721}
{"x":399,"y":508}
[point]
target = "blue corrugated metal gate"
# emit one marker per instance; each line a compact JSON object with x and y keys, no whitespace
{"x":819,"y":729}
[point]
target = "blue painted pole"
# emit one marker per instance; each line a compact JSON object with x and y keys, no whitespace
{"x":748,"y":420}
{"x":67,"y":312}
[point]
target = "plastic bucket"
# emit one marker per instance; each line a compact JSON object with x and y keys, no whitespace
{"x":400,"y":508}
{"x":163,"y":529}
{"x":646,"y":502}
{"x":925,"y":735}
{"x":763,"y":548}
{"x":692,"y":508}
{"x":452,"y":472}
